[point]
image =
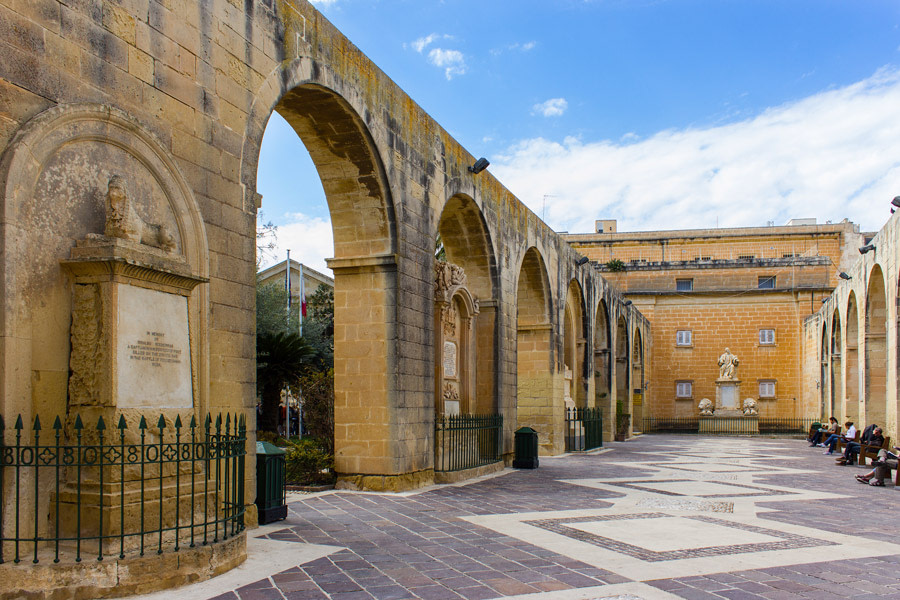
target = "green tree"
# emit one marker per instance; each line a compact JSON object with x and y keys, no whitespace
{"x":272,"y":315}
{"x":280,"y":357}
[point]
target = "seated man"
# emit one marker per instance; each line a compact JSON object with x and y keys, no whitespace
{"x":833,"y":439}
{"x":870,"y":437}
{"x":883,"y":465}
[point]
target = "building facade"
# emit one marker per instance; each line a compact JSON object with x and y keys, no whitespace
{"x":745,"y":289}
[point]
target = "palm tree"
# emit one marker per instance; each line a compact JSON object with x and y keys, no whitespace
{"x":279,"y":359}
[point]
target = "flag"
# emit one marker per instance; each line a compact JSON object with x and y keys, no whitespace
{"x":302,"y":293}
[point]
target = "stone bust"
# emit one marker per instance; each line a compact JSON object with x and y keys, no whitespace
{"x":728,"y":362}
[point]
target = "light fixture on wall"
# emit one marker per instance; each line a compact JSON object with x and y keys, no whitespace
{"x":824,"y":300}
{"x":628,"y":303}
{"x":480,"y":165}
{"x":896,"y":201}
{"x":867,"y":248}
{"x":843,"y":275}
{"x":581,"y":261}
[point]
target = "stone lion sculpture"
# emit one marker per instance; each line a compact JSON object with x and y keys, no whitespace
{"x":750,"y":407}
{"x":122,"y":221}
{"x":706,"y":407}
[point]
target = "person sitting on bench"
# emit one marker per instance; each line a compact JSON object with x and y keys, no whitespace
{"x":821,"y":431}
{"x":883,"y":465}
{"x":834,"y":438}
{"x":870,"y":437}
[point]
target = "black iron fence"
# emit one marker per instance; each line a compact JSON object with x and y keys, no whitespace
{"x":729,"y":425}
{"x":467,"y":441}
{"x":584,"y":429}
{"x":77,"y":491}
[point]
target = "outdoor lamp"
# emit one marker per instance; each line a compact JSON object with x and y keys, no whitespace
{"x":480,"y":165}
{"x":628,"y":303}
{"x":867,"y":248}
{"x":843,"y":275}
{"x":896,"y":201}
{"x":581,"y":261}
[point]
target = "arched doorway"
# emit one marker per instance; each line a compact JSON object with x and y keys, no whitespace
{"x":575,"y":388}
{"x":534,"y":368}
{"x":467,"y":244}
{"x":875,"y":400}
{"x":850,"y":401}
{"x":836,"y":371}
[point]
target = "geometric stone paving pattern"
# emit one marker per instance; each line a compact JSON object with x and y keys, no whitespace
{"x":654,"y":517}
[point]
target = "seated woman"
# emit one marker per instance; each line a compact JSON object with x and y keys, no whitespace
{"x":817,"y":436}
{"x":834,"y":438}
{"x":883,"y":465}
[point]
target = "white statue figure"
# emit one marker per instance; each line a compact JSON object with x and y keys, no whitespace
{"x":750,"y":408}
{"x":727,"y":364}
{"x":122,"y":221}
{"x":706,"y":407}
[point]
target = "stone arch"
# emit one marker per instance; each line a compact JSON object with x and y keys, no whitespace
{"x":336,"y":128}
{"x":467,"y":243}
{"x":56,"y":173}
{"x":574,"y":343}
{"x":875,"y":400}
{"x":637,"y":377}
{"x":623,"y":405}
{"x":602,"y":362}
{"x":534,"y":362}
{"x":850,"y":401}
{"x":824,"y":382}
{"x":836,"y":371}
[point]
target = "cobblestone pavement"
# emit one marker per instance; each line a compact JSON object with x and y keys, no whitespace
{"x":655,"y":517}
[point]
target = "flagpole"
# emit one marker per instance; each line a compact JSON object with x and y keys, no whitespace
{"x":302,"y":299}
{"x":288,"y":282}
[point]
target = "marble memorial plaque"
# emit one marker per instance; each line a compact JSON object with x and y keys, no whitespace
{"x":728,"y":397}
{"x":153,"y":350}
{"x":450,"y":359}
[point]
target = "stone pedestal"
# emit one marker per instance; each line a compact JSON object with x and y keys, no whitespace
{"x":728,"y":398}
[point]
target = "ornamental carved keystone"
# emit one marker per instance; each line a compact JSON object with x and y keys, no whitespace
{"x":450,"y":392}
{"x":449,"y":315}
{"x":446,"y":277}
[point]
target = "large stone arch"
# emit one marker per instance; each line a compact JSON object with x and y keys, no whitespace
{"x":534,"y":348}
{"x":334,"y":125}
{"x":623,"y":403}
{"x":851,"y":400}
{"x":602,"y":356}
{"x":467,"y":242}
{"x":875,"y":399}
{"x":574,"y":346}
{"x":637,"y":377}
{"x":836,"y":371}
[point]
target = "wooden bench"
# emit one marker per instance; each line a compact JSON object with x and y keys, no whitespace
{"x":839,"y":447}
{"x":866,"y":451}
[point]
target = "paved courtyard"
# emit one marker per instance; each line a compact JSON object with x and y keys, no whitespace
{"x":655,"y":517}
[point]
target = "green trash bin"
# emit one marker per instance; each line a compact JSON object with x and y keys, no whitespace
{"x":526,"y":449}
{"x":270,"y":493}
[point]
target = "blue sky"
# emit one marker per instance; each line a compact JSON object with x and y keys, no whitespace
{"x":659,"y":113}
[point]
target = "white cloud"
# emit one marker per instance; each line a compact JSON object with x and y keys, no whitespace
{"x":452,"y":61}
{"x":324,"y":2}
{"x":517,"y":47}
{"x":832,"y":155}
{"x":310,"y":240}
{"x":423,"y":42}
{"x":554,"y":107}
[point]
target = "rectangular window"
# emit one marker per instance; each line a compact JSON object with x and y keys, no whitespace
{"x":746,"y":256}
{"x":684,"y":285}
{"x":684,"y":389}
{"x":684,"y":337}
{"x":767,"y":389}
{"x":767,"y":337}
{"x":766,"y":282}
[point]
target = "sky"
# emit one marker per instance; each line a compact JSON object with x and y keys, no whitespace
{"x":662,"y":114}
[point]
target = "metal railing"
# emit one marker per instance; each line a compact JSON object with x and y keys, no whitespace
{"x":584,"y":429}
{"x":730,"y":425}
{"x":77,"y":490}
{"x":466,"y":441}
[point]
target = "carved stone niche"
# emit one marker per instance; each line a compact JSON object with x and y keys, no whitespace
{"x":130,"y":334}
{"x":455,"y":313}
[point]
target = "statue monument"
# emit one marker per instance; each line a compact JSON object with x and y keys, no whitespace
{"x":728,"y":362}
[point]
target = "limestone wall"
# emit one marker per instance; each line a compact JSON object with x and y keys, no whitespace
{"x":180,"y":93}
